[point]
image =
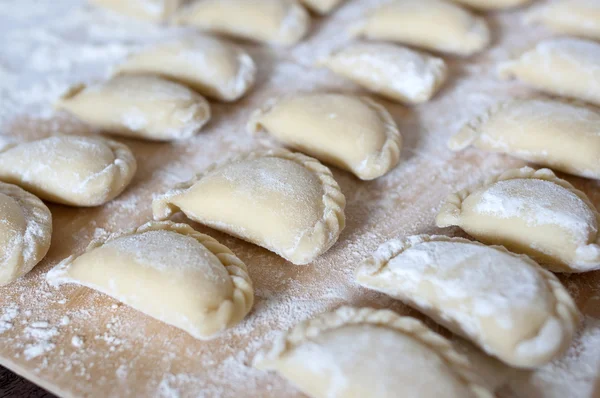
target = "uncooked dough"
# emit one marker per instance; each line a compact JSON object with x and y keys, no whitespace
{"x":565,"y":66}
{"x":358,"y":353}
{"x":395,"y":72}
{"x":153,"y":10}
{"x":145,"y":106}
{"x":505,"y":303}
{"x":492,"y":4}
{"x":286,"y":202}
{"x":353,"y":133}
{"x":557,"y":134}
{"x":168,"y":271}
{"x":25,"y":232}
{"x":321,"y":7}
{"x":71,"y":170}
{"x":277,"y":22}
{"x":431,"y":24}
{"x":212,"y":67}
{"x":532,"y":212}
{"x":571,"y":17}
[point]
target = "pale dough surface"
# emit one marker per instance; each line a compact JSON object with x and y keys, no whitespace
{"x":492,"y":4}
{"x":569,"y":17}
{"x":153,"y":10}
{"x":505,"y":303}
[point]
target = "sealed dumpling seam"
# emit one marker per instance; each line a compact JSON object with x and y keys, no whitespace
{"x":346,"y":316}
{"x":586,"y":254}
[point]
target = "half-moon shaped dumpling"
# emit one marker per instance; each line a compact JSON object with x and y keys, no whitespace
{"x":531,"y":212}
{"x":363,"y":352}
{"x":25,"y":232}
{"x":572,"y":17}
{"x":145,"y":106}
{"x":564,"y":66}
{"x":505,"y":303}
{"x":210,"y":66}
{"x":492,"y":4}
{"x":321,"y":7}
{"x":557,"y":134}
{"x":152,"y":10}
{"x":285,"y":202}
{"x":353,"y":133}
{"x":395,"y":72}
{"x":278,"y":22}
{"x":431,"y":24}
{"x":168,"y":271}
{"x":71,"y":170}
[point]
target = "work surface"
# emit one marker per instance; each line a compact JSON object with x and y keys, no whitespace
{"x":74,"y":341}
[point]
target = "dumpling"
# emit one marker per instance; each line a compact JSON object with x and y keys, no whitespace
{"x":169,"y":272}
{"x":153,"y":10}
{"x":363,"y":352}
{"x":395,"y":72}
{"x":277,"y":22}
{"x":505,"y":303}
{"x":25,"y":232}
{"x":321,"y":7}
{"x":210,"y":66}
{"x":492,"y":4}
{"x":564,"y":66}
{"x":285,"y":202}
{"x":431,"y":24}
{"x":531,"y":212}
{"x":145,"y":106}
{"x":353,"y":133}
{"x":572,"y":17}
{"x":557,"y":134}
{"x":71,"y":170}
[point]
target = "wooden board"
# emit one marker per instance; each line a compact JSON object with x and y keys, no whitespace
{"x":74,"y":341}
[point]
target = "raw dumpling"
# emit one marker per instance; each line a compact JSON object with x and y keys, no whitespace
{"x":358,"y":353}
{"x":532,"y":212}
{"x":492,"y":4}
{"x":153,"y":10}
{"x":25,"y":232}
{"x":506,"y":303}
{"x":278,"y":22}
{"x":572,"y":17}
{"x":321,"y":7}
{"x":353,"y":133}
{"x":564,"y":66}
{"x":147,"y":107}
{"x":71,"y":170}
{"x":210,"y":66}
{"x":560,"y":135}
{"x":397,"y":73}
{"x":285,"y":202}
{"x":168,"y":271}
{"x":431,"y":24}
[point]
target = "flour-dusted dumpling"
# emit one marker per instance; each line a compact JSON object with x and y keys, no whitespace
{"x":25,"y":232}
{"x":278,"y":22}
{"x":492,"y":4}
{"x":363,"y":352}
{"x":212,"y":67}
{"x":564,"y":66}
{"x":285,"y":202}
{"x":145,"y":106}
{"x":557,"y":134}
{"x":168,"y":271}
{"x":153,"y":10}
{"x":353,"y":133}
{"x":395,"y":72}
{"x":321,"y":7}
{"x":505,"y":303}
{"x":431,"y":24}
{"x":572,"y":17}
{"x":72,"y":170}
{"x":532,"y":212}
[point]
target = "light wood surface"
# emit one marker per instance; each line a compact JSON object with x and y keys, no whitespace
{"x":91,"y":345}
